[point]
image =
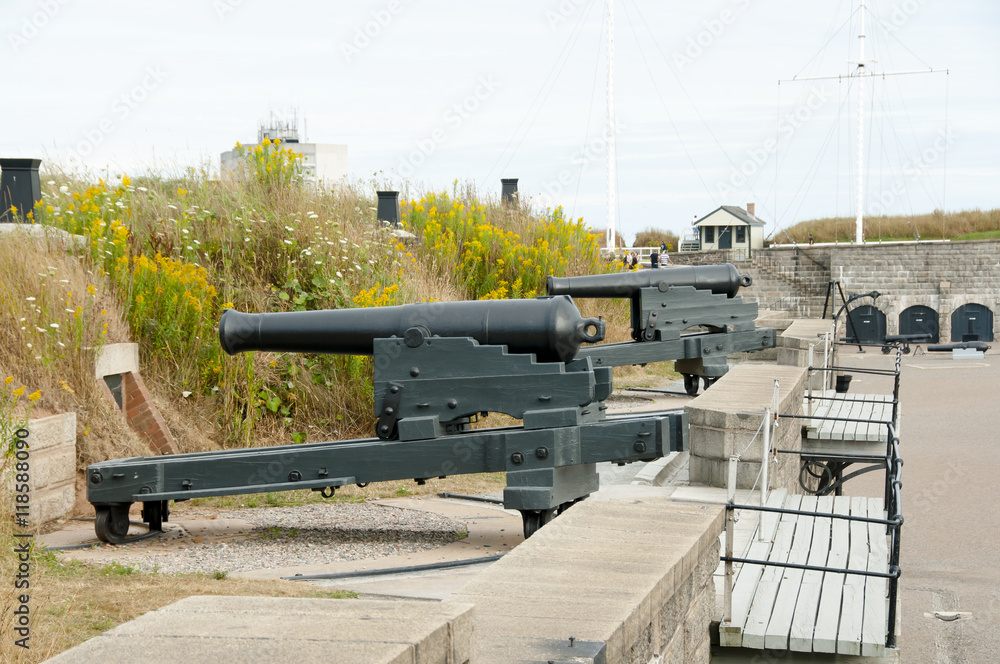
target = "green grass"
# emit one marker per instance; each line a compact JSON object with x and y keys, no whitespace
{"x":982,"y":235}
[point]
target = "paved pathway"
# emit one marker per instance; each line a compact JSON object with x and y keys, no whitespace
{"x":951,"y":534}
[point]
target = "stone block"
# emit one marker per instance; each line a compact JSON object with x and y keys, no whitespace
{"x":709,"y":442}
{"x":113,"y":359}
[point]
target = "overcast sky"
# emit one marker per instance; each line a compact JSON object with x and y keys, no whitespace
{"x":430,"y":91}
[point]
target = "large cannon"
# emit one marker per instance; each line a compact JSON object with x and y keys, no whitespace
{"x":437,"y":368}
{"x":720,"y":279}
{"x":551,"y":328}
{"x":693,"y":315}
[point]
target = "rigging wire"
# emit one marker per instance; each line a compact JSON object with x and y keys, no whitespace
{"x":663,"y":102}
{"x":812,"y":170}
{"x":687,"y":95}
{"x":590,"y":113}
{"x":944,"y":166}
{"x":827,"y":42}
{"x":547,"y":85}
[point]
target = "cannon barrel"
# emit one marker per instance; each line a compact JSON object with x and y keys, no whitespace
{"x":550,"y":327}
{"x":716,"y":278}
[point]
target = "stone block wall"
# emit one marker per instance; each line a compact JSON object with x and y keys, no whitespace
{"x":935,"y":274}
{"x":793,"y":348}
{"x":631,"y":579}
{"x":939,"y":275}
{"x":52,"y":443}
{"x":725,"y":420}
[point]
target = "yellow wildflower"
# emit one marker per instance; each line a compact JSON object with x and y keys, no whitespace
{"x":18,"y":392}
{"x":35,"y":396}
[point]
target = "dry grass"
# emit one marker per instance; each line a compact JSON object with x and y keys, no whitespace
{"x":652,"y":237}
{"x":52,"y":327}
{"x":72,"y":602}
{"x":967,"y":224}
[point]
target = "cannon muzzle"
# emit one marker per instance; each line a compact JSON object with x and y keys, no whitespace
{"x":720,"y":279}
{"x":550,"y":327}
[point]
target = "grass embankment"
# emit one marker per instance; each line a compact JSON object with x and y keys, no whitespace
{"x":964,"y":225}
{"x":159,"y":260}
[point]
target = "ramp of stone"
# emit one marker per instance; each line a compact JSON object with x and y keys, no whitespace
{"x":279,"y":629}
{"x":781,"y":608}
{"x":631,"y":575}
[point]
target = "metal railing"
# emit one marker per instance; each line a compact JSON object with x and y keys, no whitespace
{"x":893,"y":520}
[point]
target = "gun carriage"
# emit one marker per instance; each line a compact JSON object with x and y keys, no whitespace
{"x":692,"y":315}
{"x":437,"y":367}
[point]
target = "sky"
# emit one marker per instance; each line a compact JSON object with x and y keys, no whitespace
{"x":427,"y":92}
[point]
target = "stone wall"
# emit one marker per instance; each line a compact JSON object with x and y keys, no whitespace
{"x":935,"y":274}
{"x":793,"y":349}
{"x":52,"y":443}
{"x":287,"y":629}
{"x":939,"y":275}
{"x":724,"y":421}
{"x":630,"y":579}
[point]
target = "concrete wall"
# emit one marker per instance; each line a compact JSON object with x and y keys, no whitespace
{"x":725,"y":419}
{"x":629,"y":578}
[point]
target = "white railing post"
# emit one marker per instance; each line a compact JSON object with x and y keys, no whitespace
{"x":765,"y":456}
{"x":730,"y":520}
{"x":809,"y":381}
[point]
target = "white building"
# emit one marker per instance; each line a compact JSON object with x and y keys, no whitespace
{"x":322,"y":163}
{"x":733,"y":228}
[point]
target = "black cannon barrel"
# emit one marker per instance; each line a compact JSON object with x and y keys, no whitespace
{"x":716,"y":278}
{"x":550,"y":327}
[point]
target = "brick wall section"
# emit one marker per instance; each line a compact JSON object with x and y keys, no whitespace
{"x":142,"y":416}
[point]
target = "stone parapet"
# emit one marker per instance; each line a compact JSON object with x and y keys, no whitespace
{"x":794,"y":343}
{"x":725,"y":421}
{"x":630,"y":579}
{"x":280,"y":629}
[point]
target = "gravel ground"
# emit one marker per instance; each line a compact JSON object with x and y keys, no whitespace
{"x":308,"y":535}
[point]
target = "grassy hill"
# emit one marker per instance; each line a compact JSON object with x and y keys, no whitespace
{"x":964,"y":225}
{"x":158,"y":260}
